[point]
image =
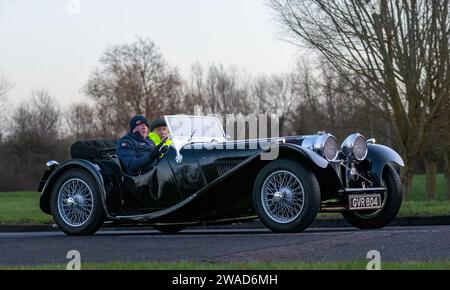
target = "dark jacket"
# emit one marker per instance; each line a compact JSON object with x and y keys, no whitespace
{"x":136,"y":154}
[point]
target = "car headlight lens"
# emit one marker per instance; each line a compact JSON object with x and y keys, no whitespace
{"x":323,"y":144}
{"x":355,"y":146}
{"x":330,"y":148}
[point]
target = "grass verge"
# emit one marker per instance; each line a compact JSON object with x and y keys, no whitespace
{"x":22,"y":208}
{"x":243,"y":266}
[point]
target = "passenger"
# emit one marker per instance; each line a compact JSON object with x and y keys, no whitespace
{"x":159,"y":132}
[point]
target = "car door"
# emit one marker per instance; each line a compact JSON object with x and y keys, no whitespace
{"x":188,"y":173}
{"x":153,"y":190}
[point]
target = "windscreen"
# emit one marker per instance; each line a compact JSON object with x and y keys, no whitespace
{"x":195,"y":127}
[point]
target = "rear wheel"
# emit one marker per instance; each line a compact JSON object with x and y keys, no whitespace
{"x":286,"y":196}
{"x":76,"y":203}
{"x":391,"y":203}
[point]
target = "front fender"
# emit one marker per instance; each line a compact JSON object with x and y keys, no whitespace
{"x":379,"y":156}
{"x":93,"y":169}
{"x":324,"y":171}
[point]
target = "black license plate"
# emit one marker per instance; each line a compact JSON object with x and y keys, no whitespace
{"x":366,"y":201}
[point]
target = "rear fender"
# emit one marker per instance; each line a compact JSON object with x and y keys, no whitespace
{"x":90,"y":167}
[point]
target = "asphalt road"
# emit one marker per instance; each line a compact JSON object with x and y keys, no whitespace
{"x":229,"y":245}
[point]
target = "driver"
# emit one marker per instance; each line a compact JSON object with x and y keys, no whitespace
{"x":137,"y":153}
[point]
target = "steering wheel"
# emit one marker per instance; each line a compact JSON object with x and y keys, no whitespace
{"x":162,"y":147}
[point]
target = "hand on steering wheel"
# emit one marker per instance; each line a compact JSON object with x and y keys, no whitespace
{"x":162,"y":147}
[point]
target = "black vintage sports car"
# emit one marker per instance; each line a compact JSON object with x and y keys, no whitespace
{"x":204,"y":179}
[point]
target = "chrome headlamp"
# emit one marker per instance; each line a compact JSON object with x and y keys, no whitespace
{"x":355,"y":146}
{"x":323,"y":144}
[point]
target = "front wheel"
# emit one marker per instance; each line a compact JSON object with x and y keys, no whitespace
{"x":391,"y":203}
{"x":76,"y":203}
{"x":286,"y":196}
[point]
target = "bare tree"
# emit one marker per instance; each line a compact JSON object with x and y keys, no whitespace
{"x":277,"y":94}
{"x":5,"y":87}
{"x":401,"y":53}
{"x":220,"y":90}
{"x":308,"y":114}
{"x":226,"y":91}
{"x":37,"y":118}
{"x":441,"y":135}
{"x":81,"y":121}
{"x":133,"y":79}
{"x":33,"y":139}
{"x":329,"y":101}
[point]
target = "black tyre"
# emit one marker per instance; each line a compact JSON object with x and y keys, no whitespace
{"x":169,"y":229}
{"x":76,"y":203}
{"x":391,"y":203}
{"x":286,"y":196}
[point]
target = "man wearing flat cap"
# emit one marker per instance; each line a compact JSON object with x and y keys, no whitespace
{"x":137,"y":152}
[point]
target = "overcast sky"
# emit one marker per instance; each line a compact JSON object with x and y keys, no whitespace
{"x":55,"y":44}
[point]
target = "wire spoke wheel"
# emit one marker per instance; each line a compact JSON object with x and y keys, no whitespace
{"x":391,"y":201}
{"x":75,"y":202}
{"x":282,"y":196}
{"x":286,"y":196}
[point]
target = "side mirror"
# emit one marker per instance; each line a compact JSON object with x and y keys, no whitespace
{"x":371,"y":141}
{"x":228,"y":137}
{"x":52,"y":164}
